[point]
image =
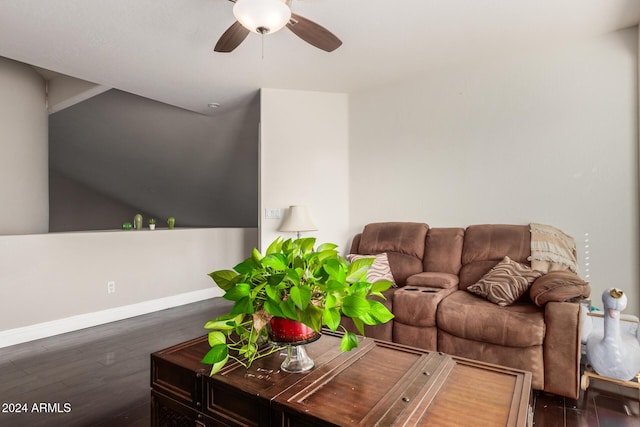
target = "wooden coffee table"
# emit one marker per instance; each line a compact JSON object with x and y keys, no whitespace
{"x":379,"y":383}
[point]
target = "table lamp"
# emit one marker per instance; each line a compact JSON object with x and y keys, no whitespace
{"x":298,"y":220}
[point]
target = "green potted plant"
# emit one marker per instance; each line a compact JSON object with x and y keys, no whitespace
{"x":152,"y":224}
{"x":292,"y":280}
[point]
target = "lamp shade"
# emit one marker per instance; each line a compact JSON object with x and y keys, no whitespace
{"x":298,"y":220}
{"x":262,"y":16}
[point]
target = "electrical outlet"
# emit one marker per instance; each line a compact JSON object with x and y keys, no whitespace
{"x":111,"y":287}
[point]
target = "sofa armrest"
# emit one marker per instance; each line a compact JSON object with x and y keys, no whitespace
{"x":433,"y":280}
{"x":418,"y":305}
{"x":562,"y":348}
{"x":558,"y":286}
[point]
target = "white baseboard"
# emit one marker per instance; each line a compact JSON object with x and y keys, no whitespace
{"x":74,"y":323}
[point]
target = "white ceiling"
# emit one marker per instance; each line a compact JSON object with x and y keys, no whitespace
{"x":163,"y":49}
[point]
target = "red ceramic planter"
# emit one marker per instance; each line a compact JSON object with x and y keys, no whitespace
{"x":287,"y":331}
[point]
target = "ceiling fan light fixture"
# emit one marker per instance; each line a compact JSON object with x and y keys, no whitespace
{"x":262,"y":16}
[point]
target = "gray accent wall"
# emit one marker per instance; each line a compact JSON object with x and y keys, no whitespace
{"x":155,"y":158}
{"x":78,"y":207}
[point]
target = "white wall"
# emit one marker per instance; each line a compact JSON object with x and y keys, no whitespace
{"x":48,"y":277}
{"x":24,"y":192}
{"x":547,"y":137}
{"x":304,"y":161}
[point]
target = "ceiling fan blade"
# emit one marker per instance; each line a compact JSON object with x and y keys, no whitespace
{"x":231,"y":38}
{"x":313,"y":33}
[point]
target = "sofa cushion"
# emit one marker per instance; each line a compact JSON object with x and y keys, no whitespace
{"x":465,"y":315}
{"x":379,"y":269}
{"x":402,"y":241}
{"x":433,"y":280}
{"x":526,"y":358}
{"x":403,"y":237}
{"x":486,"y":244}
{"x":506,"y":282}
{"x":443,"y":250}
{"x":558,"y":286}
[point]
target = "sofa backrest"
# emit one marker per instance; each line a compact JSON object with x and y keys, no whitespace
{"x":443,"y":250}
{"x":403,"y":242}
{"x":486,"y":245}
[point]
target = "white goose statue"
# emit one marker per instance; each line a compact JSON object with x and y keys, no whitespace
{"x":613,"y":353}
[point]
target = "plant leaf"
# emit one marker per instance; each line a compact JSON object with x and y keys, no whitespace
{"x":273,"y":308}
{"x":312,"y":317}
{"x":379,"y":312}
{"x":327,"y":247}
{"x":275,"y":246}
{"x":330,"y":301}
{"x":272,"y":292}
{"x":260,"y":319}
{"x":326,"y":255}
{"x":331,"y":318}
{"x":238,"y":292}
{"x":357,"y":270}
{"x":301,"y":296}
{"x":275,"y":279}
{"x":368,"y":319}
{"x":225,"y":322}
{"x":276,"y":261}
{"x":288,"y":309}
{"x":224,"y":278}
{"x":243,"y":306}
{"x":245,"y":267}
{"x":293,"y":276}
{"x":335,"y":269}
{"x":218,"y":365}
{"x":216,"y":354}
{"x":257,"y":290}
{"x":286,"y":246}
{"x":216,"y":337}
{"x":335,"y":286}
{"x":360,"y":289}
{"x":256,"y":256}
{"x":349,"y":341}
{"x":248,"y":350}
{"x":306,"y":244}
{"x":298,"y":263}
{"x":380,"y":286}
{"x":355,"y":306}
{"x":359,"y":325}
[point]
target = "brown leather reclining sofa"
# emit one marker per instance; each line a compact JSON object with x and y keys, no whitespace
{"x":433,"y":267}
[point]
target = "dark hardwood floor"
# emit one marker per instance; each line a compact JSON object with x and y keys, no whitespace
{"x":102,"y":374}
{"x":602,"y":405}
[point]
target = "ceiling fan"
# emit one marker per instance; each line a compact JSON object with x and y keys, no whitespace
{"x":269,"y":16}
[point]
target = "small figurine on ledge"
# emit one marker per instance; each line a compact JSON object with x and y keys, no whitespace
{"x":137,"y":220}
{"x":612,"y":352}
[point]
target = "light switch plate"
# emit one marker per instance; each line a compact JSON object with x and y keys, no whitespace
{"x":272,"y":213}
